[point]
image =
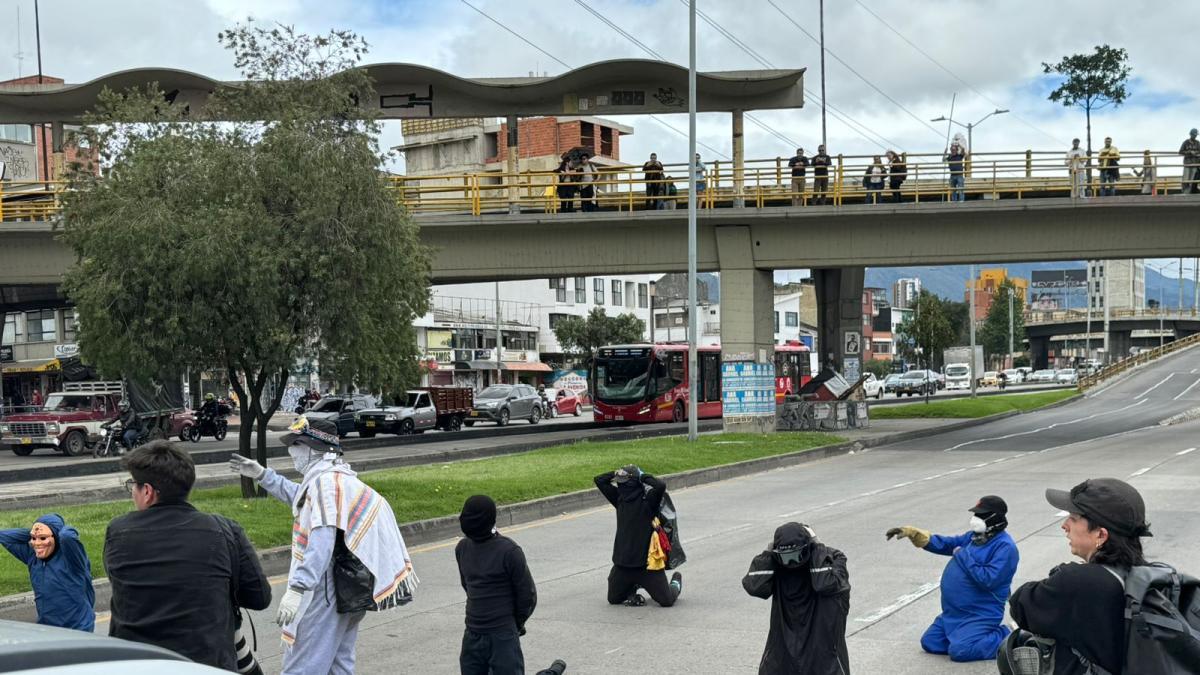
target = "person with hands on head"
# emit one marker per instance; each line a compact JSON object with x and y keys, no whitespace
{"x":336,"y":518}
{"x":501,"y":595}
{"x":809,"y":588}
{"x":974,"y":583}
{"x":637,"y":496}
{"x":59,"y":571}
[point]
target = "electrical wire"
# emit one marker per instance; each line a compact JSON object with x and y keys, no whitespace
{"x":951,"y":73}
{"x":860,"y":76}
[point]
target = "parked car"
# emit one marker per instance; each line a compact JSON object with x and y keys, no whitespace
{"x":436,"y":408}
{"x":889,"y":382}
{"x":49,"y":650}
{"x":990,"y":379}
{"x":1043,"y":376}
{"x":916,"y":382}
{"x":502,"y":403}
{"x":564,"y":402}
{"x":1026,"y":373}
{"x":938,"y":379}
{"x":872,"y":386}
{"x":1066,"y":376}
{"x":340,"y":410}
{"x":1014,"y":376}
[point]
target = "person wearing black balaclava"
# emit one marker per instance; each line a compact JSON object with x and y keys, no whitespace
{"x":809,"y":588}
{"x":637,"y":497}
{"x":501,"y":594}
{"x":975,"y":583}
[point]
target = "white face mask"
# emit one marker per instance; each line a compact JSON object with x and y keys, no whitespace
{"x":302,"y":456}
{"x":977,"y":525}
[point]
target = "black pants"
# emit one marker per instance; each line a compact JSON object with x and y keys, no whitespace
{"x":624,"y":581}
{"x":587,"y":198}
{"x":491,"y":654}
{"x":895,"y":185}
{"x":566,"y":198}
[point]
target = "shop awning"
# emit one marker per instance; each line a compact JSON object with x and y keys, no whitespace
{"x":475,"y":365}
{"x":526,"y":366}
{"x":35,"y":366}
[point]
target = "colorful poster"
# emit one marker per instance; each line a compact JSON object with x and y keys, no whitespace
{"x":747,"y":390}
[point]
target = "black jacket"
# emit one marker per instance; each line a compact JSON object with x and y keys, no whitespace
{"x":130,"y":420}
{"x":501,"y":594}
{"x":1081,"y":606}
{"x":636,"y":511}
{"x":809,"y":606}
{"x":178,"y":576}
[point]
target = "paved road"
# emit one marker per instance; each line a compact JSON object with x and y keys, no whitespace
{"x":850,"y":501}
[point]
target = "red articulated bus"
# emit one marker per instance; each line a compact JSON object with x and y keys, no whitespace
{"x":648,"y":383}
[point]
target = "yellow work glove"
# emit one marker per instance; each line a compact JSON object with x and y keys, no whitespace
{"x":918,"y":537}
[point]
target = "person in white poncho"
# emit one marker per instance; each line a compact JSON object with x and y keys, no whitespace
{"x":334,"y":513}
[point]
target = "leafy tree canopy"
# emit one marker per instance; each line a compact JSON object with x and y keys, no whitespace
{"x":1091,"y":81}
{"x":994,"y":334}
{"x":583,"y":336}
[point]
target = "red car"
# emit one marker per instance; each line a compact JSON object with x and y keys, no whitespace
{"x":564,"y":402}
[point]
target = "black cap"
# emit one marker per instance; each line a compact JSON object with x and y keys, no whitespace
{"x":478,"y":517}
{"x":1107,"y":502}
{"x":320,"y":435}
{"x":990,"y":504}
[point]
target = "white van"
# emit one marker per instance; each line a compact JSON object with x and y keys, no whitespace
{"x":958,"y":376}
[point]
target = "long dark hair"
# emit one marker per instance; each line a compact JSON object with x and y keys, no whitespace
{"x":1118,"y":551}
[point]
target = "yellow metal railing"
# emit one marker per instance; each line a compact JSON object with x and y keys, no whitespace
{"x":1089,"y":381}
{"x":763,"y":183}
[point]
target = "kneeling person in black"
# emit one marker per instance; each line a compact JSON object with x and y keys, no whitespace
{"x":501,"y":594}
{"x":637,"y":497}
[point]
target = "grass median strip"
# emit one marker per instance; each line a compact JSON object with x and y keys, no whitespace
{"x":428,"y":491}
{"x":970,"y":408}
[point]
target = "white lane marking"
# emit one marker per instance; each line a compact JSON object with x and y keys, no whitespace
{"x":1181,"y":394}
{"x":900,"y":603}
{"x":1193,"y":371}
{"x":1181,"y":453}
{"x":1046,"y":428}
{"x":1160,"y":383}
{"x":1140,"y":471}
{"x":613,"y":651}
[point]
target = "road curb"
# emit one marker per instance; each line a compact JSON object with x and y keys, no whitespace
{"x":276,"y":560}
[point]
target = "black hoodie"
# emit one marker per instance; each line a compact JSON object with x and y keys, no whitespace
{"x":636,"y":509}
{"x":501,"y":594}
{"x":809,"y":606}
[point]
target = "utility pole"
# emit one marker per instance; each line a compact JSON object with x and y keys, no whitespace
{"x":1180,"y":305}
{"x":1010,"y":327}
{"x":693,"y":318}
{"x":499,"y":341}
{"x":971,"y":322}
{"x":1107,"y":316}
{"x":37,"y":27}
{"x":823,"y":141}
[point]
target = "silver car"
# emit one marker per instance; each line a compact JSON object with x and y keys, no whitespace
{"x":502,"y":403}
{"x":47,"y":650}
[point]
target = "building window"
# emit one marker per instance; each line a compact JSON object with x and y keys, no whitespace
{"x":70,"y":322}
{"x":776,"y":322}
{"x":598,"y":287}
{"x":39,"y":326}
{"x":21,"y":133}
{"x":580,"y":291}
{"x":643,"y":295}
{"x":791,"y":319}
{"x":560,"y":289}
{"x":10,"y":329}
{"x":556,"y":319}
{"x":618,"y":294}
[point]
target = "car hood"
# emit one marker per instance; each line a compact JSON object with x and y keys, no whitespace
{"x":321,"y":415}
{"x":78,"y":416}
{"x":387,"y":410}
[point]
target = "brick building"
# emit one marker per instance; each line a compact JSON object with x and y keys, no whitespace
{"x":27,"y":149}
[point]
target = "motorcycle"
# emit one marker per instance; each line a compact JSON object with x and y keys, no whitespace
{"x":209,"y":425}
{"x":549,"y":410}
{"x":111,"y":443}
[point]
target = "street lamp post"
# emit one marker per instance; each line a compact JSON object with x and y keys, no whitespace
{"x":970,"y":126}
{"x":1160,"y":269}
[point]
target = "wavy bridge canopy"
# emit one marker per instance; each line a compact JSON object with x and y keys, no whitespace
{"x":409,"y":91}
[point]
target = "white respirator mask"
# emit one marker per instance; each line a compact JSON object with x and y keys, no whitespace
{"x":301,"y":455}
{"x":978,"y":526}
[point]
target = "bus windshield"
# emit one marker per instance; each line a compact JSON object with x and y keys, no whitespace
{"x":622,"y":379}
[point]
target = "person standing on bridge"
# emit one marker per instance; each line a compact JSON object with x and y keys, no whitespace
{"x":1077,"y":166}
{"x":698,"y":171}
{"x":1110,"y":173}
{"x":956,"y":160}
{"x":637,"y":497}
{"x":341,"y":527}
{"x":873,"y":179}
{"x":1191,"y":163}
{"x":59,"y":571}
{"x":653,"y":173}
{"x":897,"y":173}
{"x":820,"y":166}
{"x":809,"y":588}
{"x":974,"y":584}
{"x":798,"y":164}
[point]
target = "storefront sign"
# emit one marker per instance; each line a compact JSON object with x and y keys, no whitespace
{"x":571,"y":380}
{"x":6,"y":354}
{"x":66,"y":351}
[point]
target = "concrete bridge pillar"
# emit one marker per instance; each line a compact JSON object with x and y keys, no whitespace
{"x":747,"y":334}
{"x":1119,"y":343}
{"x":1039,"y":352}
{"x":840,"y":318}
{"x":513,"y":167}
{"x":739,"y":160}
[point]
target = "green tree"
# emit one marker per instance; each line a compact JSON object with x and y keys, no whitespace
{"x":927,"y":329}
{"x":249,"y":234}
{"x":994,"y":334}
{"x":582,"y":336}
{"x":1091,"y":81}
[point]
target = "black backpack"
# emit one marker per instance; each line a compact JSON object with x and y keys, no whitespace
{"x":1162,"y":621}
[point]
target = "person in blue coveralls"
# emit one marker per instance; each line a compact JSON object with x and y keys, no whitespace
{"x":974,"y":585}
{"x":59,"y":571}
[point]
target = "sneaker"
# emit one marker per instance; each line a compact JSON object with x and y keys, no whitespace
{"x":635,"y":600}
{"x":677,"y":582}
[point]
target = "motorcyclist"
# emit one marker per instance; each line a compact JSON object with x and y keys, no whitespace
{"x":131,"y":425}
{"x":209,"y":411}
{"x":547,"y":404}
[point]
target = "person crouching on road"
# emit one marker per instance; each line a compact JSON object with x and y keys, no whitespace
{"x":59,"y":571}
{"x":974,"y":584}
{"x":340,"y":526}
{"x":1082,"y":607}
{"x":637,"y":497}
{"x":809,"y":588}
{"x":501,"y":594}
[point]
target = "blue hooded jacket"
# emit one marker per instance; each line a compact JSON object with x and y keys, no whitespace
{"x":62,"y":584}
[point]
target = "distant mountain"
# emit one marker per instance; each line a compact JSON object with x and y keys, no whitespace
{"x":950,"y":281}
{"x":1167,"y":288}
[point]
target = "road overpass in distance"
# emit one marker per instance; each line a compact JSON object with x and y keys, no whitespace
{"x":1121,"y":324}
